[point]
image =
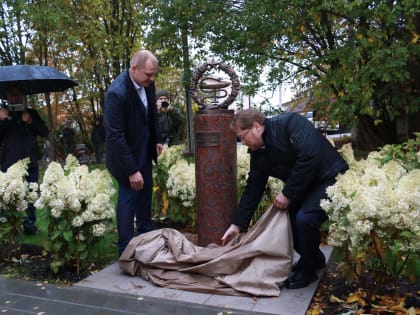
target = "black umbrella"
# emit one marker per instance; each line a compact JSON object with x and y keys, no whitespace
{"x":32,"y":79}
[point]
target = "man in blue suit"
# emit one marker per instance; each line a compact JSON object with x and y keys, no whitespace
{"x":132,"y":141}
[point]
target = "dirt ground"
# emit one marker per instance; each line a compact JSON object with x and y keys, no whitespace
{"x":335,"y":296}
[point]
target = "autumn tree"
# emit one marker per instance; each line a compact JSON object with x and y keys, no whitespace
{"x":14,"y":32}
{"x":357,"y":59}
{"x":177,"y":29}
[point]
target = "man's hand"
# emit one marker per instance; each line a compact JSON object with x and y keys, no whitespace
{"x":26,"y":117}
{"x":159,"y":148}
{"x":281,"y":202}
{"x":136,"y":181}
{"x":4,"y":114}
{"x":230,"y":234}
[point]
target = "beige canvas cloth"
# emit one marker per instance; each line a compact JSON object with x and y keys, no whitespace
{"x":255,"y":263}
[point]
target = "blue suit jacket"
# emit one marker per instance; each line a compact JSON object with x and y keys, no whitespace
{"x":125,"y":122}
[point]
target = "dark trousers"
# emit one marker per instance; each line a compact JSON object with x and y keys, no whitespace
{"x":99,"y":151}
{"x":134,"y":204}
{"x":306,"y":219}
{"x":33,"y":174}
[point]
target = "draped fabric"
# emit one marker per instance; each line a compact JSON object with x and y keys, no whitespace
{"x":254,"y":263}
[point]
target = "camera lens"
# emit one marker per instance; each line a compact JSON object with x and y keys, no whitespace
{"x":165,"y":104}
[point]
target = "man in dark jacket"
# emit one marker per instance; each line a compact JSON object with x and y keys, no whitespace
{"x":170,"y":119}
{"x":69,"y":138}
{"x":288,"y":147}
{"x":132,"y":137}
{"x":19,"y":129}
{"x":98,"y":139}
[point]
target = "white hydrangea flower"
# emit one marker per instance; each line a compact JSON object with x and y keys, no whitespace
{"x":98,"y":229}
{"x":275,"y":187}
{"x":75,"y":194}
{"x":374,"y":197}
{"x":77,"y":221}
{"x":15,"y":191}
{"x":181,"y":182}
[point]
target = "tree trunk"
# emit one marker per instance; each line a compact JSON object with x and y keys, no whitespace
{"x":366,"y":136}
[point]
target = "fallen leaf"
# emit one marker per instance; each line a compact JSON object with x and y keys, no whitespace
{"x":334,"y":299}
{"x":356,"y":298}
{"x":400,"y":307}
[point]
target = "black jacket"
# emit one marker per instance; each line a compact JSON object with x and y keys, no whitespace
{"x":18,"y":140}
{"x":125,"y":121}
{"x":98,"y":134}
{"x":294,"y":152}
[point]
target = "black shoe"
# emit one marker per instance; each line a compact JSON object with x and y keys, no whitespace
{"x":302,"y":278}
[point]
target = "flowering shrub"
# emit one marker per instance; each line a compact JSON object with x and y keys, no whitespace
{"x":172,"y":199}
{"x":78,"y":207}
{"x":174,"y":179}
{"x":374,"y":213}
{"x":15,"y":194}
{"x":242,"y":164}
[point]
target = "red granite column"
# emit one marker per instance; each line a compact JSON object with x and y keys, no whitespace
{"x":216,"y":172}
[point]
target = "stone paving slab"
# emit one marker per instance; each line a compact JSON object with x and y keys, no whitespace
{"x":111,"y":292}
{"x":29,"y":297}
{"x":290,"y":302}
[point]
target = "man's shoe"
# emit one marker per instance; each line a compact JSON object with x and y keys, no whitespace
{"x":302,"y":278}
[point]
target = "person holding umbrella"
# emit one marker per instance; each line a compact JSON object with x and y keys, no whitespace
{"x":19,"y":128}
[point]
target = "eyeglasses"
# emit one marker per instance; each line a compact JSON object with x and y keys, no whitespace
{"x":241,"y":137}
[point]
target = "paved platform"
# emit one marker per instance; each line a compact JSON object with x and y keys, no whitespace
{"x":110,"y":292}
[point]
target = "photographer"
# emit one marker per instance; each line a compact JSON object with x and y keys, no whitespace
{"x":19,"y":128}
{"x":69,"y":138}
{"x":170,"y":119}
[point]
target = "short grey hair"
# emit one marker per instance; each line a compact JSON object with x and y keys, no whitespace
{"x":141,"y":57}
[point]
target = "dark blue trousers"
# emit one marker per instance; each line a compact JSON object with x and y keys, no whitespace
{"x":135,"y":204}
{"x":306,"y":219}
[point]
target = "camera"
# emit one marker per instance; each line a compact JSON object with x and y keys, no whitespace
{"x":13,"y":107}
{"x":165,"y":104}
{"x":16,"y":107}
{"x":15,"y":111}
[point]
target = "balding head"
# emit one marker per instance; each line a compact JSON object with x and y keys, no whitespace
{"x":143,"y":67}
{"x":141,"y":57}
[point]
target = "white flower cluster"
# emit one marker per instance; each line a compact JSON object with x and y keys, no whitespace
{"x":170,"y":155}
{"x":15,"y":193}
{"x":370,"y":196}
{"x":242,"y":157}
{"x":78,"y":195}
{"x":181,"y":182}
{"x":275,"y":186}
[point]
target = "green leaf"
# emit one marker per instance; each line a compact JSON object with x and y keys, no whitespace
{"x":68,"y":236}
{"x":56,"y":265}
